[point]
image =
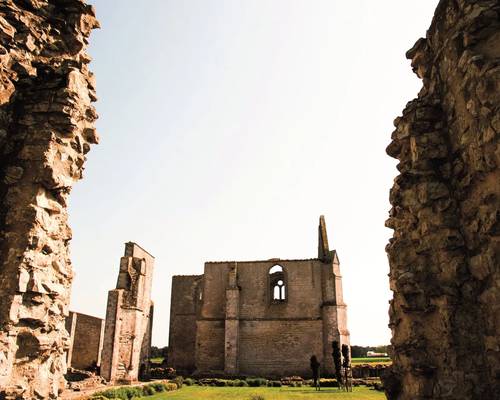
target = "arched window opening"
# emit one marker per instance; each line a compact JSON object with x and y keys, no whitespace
{"x":279,"y":291}
{"x":276,"y":269}
{"x":277,"y":284}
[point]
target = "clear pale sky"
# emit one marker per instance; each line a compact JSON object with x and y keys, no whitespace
{"x":228,"y":127}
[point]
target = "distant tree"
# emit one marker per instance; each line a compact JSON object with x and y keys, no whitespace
{"x":337,"y":362}
{"x":315,"y":370}
{"x":345,"y":354}
{"x":347,"y":367}
{"x":158,"y":352}
{"x":359,"y":351}
{"x":381,"y":349}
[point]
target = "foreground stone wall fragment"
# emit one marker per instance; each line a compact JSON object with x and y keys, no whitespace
{"x":46,"y":128}
{"x":444,"y":255}
{"x":129,"y":319}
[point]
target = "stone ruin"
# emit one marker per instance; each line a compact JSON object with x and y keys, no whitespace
{"x":86,"y":335}
{"x":445,"y":253}
{"x":118,"y":347}
{"x":46,"y":128}
{"x":259,"y":318}
{"x":129,"y":319}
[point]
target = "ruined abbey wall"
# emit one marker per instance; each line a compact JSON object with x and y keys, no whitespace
{"x":445,"y":253}
{"x":129,"y":318}
{"x":86,"y":339}
{"x":268,"y":338}
{"x":184,"y":307}
{"x":46,"y":128}
{"x":239,"y":328}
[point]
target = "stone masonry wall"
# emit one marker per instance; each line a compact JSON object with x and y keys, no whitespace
{"x":183,"y":311}
{"x":129,"y":315}
{"x":228,"y":320}
{"x":314,"y":313}
{"x":46,"y":128}
{"x":86,"y":339}
{"x":292,"y":342}
{"x":267,"y":332}
{"x":444,"y":255}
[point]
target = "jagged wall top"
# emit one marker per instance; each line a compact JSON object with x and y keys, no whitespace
{"x":46,"y":129}
{"x":444,"y":254}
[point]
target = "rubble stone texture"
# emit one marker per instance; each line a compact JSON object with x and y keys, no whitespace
{"x":129,"y":319}
{"x":228,"y":320}
{"x":444,"y":256}
{"x":46,"y":128}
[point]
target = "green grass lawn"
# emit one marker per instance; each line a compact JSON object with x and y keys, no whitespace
{"x":268,"y":393}
{"x":371,"y":360}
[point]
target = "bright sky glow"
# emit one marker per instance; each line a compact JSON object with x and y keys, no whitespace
{"x":228,"y":127}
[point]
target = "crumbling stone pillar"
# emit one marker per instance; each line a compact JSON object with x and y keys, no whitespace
{"x":444,"y":255}
{"x":46,"y":128}
{"x":129,"y":318}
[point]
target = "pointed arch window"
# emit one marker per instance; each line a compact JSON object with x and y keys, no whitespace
{"x":278,"y":291}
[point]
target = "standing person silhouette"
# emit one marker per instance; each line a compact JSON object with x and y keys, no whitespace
{"x":315,"y":370}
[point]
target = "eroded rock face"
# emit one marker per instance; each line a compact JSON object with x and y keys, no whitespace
{"x":444,"y":255}
{"x":46,"y":128}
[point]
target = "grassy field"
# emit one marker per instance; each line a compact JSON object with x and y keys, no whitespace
{"x":267,"y":393}
{"x":362,"y":360}
{"x":371,"y":360}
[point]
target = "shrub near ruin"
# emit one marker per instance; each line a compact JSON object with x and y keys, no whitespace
{"x":189,"y":382}
{"x":128,"y":393}
{"x":179,"y":380}
{"x":293,"y":381}
{"x":256,"y":382}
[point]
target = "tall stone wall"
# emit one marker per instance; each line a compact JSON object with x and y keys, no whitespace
{"x":241,"y":330}
{"x":129,"y":318}
{"x":184,"y":307}
{"x":444,"y":255}
{"x":46,"y":128}
{"x":229,"y":320}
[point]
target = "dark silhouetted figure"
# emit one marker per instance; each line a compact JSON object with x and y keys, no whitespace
{"x":347,"y":368}
{"x":337,"y":361}
{"x":315,"y":370}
